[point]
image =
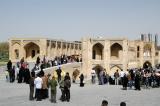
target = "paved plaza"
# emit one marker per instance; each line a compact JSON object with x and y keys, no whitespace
{"x":14,"y":94}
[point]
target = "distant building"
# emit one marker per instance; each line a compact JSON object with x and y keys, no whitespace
{"x":120,"y":53}
{"x":97,"y":53}
{"x":31,"y":48}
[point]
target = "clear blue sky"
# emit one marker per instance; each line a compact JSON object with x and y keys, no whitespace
{"x":74,"y":19}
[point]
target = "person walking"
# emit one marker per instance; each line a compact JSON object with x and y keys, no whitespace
{"x":125,"y":82}
{"x":81,"y":80}
{"x":137,"y":81}
{"x":93,"y":75}
{"x":38,"y":84}
{"x":26,"y":74}
{"x":12,"y":74}
{"x":121,"y":77}
{"x":59,"y":71}
{"x":45,"y":87}
{"x":67,"y":85}
{"x":9,"y":65}
{"x":53,"y":85}
{"x":116,"y":77}
{"x":101,"y":75}
{"x":31,"y":86}
{"x":61,"y":86}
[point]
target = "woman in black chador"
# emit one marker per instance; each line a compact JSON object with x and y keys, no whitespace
{"x":20,"y":75}
{"x":137,"y":82}
{"x":81,"y":80}
{"x":125,"y":82}
{"x":27,"y":75}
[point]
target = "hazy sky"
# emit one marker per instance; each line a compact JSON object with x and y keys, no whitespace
{"x":74,"y":19}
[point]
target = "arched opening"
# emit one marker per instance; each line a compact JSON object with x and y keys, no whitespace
{"x":16,"y":50}
{"x":97,"y":51}
{"x":114,"y":68}
{"x":116,"y":51}
{"x":33,"y":53}
{"x":32,"y":50}
{"x":53,"y":45}
{"x":98,"y":69}
{"x":16,"y":54}
{"x":100,"y":72}
{"x":64,"y":48}
{"x":147,"y":50}
{"x":138,"y":48}
{"x":147,"y":64}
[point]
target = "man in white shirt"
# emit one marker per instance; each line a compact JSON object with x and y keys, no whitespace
{"x":38,"y":84}
{"x":93,"y":75}
{"x":122,"y":73}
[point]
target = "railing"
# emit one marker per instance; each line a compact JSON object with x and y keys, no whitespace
{"x":69,"y":67}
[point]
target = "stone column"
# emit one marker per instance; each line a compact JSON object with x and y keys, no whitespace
{"x":22,"y":52}
{"x":49,"y":49}
{"x":107,"y":55}
{"x":141,"y":54}
{"x":86,"y":57}
{"x":153,"y":54}
{"x":61,"y":50}
{"x":43,"y":47}
{"x":125,"y":54}
{"x":69,"y":48}
{"x":78,"y":49}
{"x":56,"y":49}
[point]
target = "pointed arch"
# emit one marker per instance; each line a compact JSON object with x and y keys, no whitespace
{"x":147,"y":64}
{"x":147,"y":50}
{"x":16,"y":50}
{"x":116,"y":49}
{"x":32,"y":50}
{"x":97,"y":51}
{"x":98,"y":68}
{"x":114,"y":68}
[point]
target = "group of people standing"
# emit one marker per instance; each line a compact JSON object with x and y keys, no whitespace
{"x":39,"y":83}
{"x":20,"y":73}
{"x":137,"y":78}
{"x":43,"y":82}
{"x":103,"y":77}
{"x":146,"y":77}
{"x":58,"y":60}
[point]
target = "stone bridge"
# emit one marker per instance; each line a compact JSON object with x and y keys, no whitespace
{"x":69,"y":67}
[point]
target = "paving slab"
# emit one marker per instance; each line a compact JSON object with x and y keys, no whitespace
{"x":14,"y":94}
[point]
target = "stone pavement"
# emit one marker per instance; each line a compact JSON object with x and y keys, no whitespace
{"x":14,"y":94}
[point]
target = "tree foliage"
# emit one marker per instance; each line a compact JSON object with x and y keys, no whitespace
{"x":4,"y":47}
{"x":4,"y":51}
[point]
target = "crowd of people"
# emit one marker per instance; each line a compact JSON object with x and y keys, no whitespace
{"x":58,"y":60}
{"x":20,"y":72}
{"x":39,"y":83}
{"x":146,"y":77}
{"x":42,"y":83}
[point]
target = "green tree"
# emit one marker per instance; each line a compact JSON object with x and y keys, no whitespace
{"x":4,"y":51}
